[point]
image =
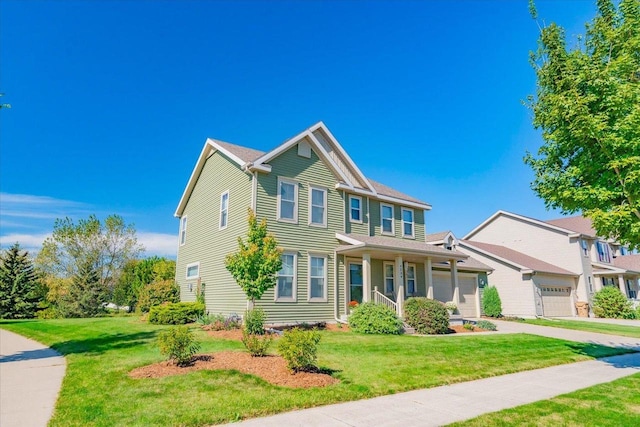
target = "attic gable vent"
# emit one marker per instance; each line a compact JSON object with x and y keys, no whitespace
{"x":304,"y":149}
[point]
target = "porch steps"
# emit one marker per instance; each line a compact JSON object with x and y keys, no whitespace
{"x":455,"y":319}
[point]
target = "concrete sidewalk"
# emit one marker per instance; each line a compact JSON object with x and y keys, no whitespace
{"x":624,"y":322}
{"x":30,"y":378}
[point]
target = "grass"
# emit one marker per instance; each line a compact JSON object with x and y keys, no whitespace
{"x":100,"y":352}
{"x":603,"y":328}
{"x":612,"y":404}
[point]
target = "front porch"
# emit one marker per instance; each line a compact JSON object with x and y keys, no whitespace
{"x":626,"y":281}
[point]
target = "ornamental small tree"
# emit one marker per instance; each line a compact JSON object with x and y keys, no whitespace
{"x":255,"y":265}
{"x":491,"y":303}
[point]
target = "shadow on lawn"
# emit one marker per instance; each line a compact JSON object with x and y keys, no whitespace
{"x":103,"y":343}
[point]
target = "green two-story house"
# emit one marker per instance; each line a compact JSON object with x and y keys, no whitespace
{"x":344,"y":237}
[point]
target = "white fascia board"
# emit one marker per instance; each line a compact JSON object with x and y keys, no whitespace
{"x":204,"y":154}
{"x":280,"y":149}
{"x":522,"y":268}
{"x":258,"y":168}
{"x":355,"y":190}
{"x":226,"y":152}
{"x":425,"y":206}
{"x":348,"y":239}
{"x":332,"y":164}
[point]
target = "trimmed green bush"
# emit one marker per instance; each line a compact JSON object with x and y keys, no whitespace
{"x":610,"y":303}
{"x":253,"y":321}
{"x":485,"y":324}
{"x":638,"y":312}
{"x":299,"y":348}
{"x":175,"y":313}
{"x":426,"y":316}
{"x":178,"y":345}
{"x":491,"y":304}
{"x":157,"y":293}
{"x":372,"y":318}
{"x":256,"y":344}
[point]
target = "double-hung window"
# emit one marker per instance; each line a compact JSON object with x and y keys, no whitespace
{"x":407,"y":223}
{"x":193,"y":270}
{"x":411,"y":279}
{"x":317,"y":206}
{"x":287,"y":200}
{"x":386,"y":219}
{"x":585,"y":247}
{"x":355,"y":209}
{"x":224,"y":209}
{"x":603,"y":252}
{"x":183,"y":230}
{"x":317,"y":278}
{"x":286,"y":287}
{"x":389,"y":287}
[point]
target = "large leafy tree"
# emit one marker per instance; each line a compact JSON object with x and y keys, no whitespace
{"x":20,"y":290}
{"x":257,"y":261}
{"x":107,"y":247}
{"x":588,"y":108}
{"x":137,"y":274}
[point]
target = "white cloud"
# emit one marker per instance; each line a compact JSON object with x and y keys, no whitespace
{"x":159,"y":243}
{"x":30,"y":242}
{"x":30,"y":199}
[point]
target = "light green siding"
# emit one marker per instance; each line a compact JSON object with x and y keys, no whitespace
{"x":206,"y":243}
{"x":301,"y":238}
{"x":355,"y":227}
{"x":376,"y":227}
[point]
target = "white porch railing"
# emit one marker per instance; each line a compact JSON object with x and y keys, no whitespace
{"x":380,"y":298}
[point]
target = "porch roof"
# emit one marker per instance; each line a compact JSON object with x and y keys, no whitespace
{"x":631,"y":263}
{"x":384,"y":247}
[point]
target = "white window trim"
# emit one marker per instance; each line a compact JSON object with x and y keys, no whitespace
{"x":294,"y":288}
{"x":326,"y":278}
{"x":186,"y":270}
{"x":393,"y":225}
{"x":413,"y":223}
{"x":359,"y":209}
{"x":415,"y":280}
{"x":295,"y":201}
{"x":324,"y":214}
{"x":183,"y":230}
{"x":584,"y":249}
{"x":385,"y":277}
{"x":220,"y":226}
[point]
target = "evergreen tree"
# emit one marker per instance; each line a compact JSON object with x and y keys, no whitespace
{"x":20,"y":289}
{"x":86,"y":293}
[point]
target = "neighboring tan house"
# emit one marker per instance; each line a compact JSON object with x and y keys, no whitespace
{"x":344,"y":237}
{"x":542,"y":268}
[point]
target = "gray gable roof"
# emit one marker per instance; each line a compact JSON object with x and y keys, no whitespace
{"x":388,"y":191}
{"x":436,"y":237}
{"x":578,"y":224}
{"x":628,"y":262}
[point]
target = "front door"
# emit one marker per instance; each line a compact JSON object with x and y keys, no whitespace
{"x":355,"y":282}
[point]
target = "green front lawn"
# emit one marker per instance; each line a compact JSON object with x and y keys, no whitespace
{"x":612,"y":404}
{"x":100,"y":352}
{"x":603,"y":328}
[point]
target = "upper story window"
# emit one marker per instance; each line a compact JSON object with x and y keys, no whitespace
{"x":585,"y":247}
{"x":355,"y":209}
{"x":386,"y":219}
{"x":623,"y":251}
{"x":183,"y":230}
{"x":411,"y":279}
{"x":603,"y":252}
{"x":389,"y":287}
{"x":287,"y":200}
{"x":318,"y":206}
{"x":407,"y":223}
{"x":317,"y":278}
{"x":193,"y":270}
{"x":286,"y":288}
{"x":224,"y":209}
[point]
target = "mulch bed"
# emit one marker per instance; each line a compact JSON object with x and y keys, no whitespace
{"x":272,"y":369}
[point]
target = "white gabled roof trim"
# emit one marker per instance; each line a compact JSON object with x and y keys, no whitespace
{"x":610,"y":269}
{"x":425,"y":206}
{"x":539,"y":223}
{"x":444,"y":239}
{"x":348,"y":239}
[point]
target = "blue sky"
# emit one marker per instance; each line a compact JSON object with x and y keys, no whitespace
{"x":113,"y":100}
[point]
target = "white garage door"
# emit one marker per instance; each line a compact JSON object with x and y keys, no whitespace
{"x":467,"y":306}
{"x":442,"y":290}
{"x":556,"y":301}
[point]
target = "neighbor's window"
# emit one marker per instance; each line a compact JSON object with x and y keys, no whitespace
{"x":411,"y":279}
{"x":603,"y":252}
{"x":193,"y":270}
{"x":317,"y":277}
{"x":388,"y":278}
{"x":386,"y":215}
{"x":286,"y":278}
{"x":585,"y":247}
{"x":224,"y":209}
{"x":407,"y":222}
{"x":355,"y":207}
{"x":183,"y":230}
{"x":287,"y":200}
{"x":318,"y":206}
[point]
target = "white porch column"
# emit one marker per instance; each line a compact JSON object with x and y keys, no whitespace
{"x":366,"y":277}
{"x":398,"y":275}
{"x":428,"y":277}
{"x":622,"y":285}
{"x":454,"y":281}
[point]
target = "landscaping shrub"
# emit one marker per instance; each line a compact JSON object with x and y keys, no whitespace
{"x":486,"y":325}
{"x":426,"y":316}
{"x":253,"y":321}
{"x":372,"y":318}
{"x":468,"y":326}
{"x":638,"y":312}
{"x":218,"y":322}
{"x":157,"y":293}
{"x":299,"y":348}
{"x":178,"y":345}
{"x":256,"y":344}
{"x":177,"y":313}
{"x":491,"y":304}
{"x":610,"y":303}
